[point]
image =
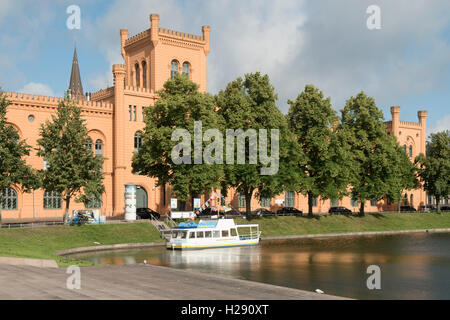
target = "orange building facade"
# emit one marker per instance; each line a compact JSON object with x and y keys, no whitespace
{"x":115,"y":118}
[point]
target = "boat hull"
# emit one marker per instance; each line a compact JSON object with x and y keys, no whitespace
{"x":185,"y":246}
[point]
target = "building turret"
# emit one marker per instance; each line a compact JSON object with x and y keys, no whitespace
{"x":395,"y":112}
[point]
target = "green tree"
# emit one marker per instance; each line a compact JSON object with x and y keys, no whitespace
{"x":249,"y":104}
{"x":380,"y":168}
{"x":179,"y":107}
{"x":434,"y":169}
{"x":13,"y":167}
{"x":72,"y":169}
{"x":314,"y":123}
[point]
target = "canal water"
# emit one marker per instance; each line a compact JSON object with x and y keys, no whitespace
{"x":413,"y":266}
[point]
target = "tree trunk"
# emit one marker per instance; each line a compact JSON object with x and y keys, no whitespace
{"x":310,"y":204}
{"x":248,"y":202}
{"x":438,"y":204}
{"x":361,"y":209}
{"x":0,"y":216}
{"x":66,"y":211}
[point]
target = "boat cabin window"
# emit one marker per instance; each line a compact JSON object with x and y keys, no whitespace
{"x":183,"y":234}
{"x":175,"y":234}
{"x":191,"y":235}
{"x":224,"y":233}
{"x":233,"y":232}
{"x":199,"y":234}
{"x":216,"y":234}
{"x":208,"y":234}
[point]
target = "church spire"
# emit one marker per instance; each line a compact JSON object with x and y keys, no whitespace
{"x":75,"y":86}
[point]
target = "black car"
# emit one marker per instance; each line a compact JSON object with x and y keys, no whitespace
{"x":262,"y":212}
{"x":339,"y":210}
{"x":407,"y":209}
{"x":208,"y":212}
{"x":146,"y":213}
{"x":445,"y":208}
{"x":289,"y":211}
{"x":427,"y":208}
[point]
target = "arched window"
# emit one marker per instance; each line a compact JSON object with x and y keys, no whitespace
{"x":411,"y":198}
{"x":89,"y":144}
{"x":52,"y":200}
{"x":98,"y":148}
{"x":410,"y":150}
{"x":138,"y":75}
{"x":137,"y":141}
{"x":144,"y":74}
{"x":173,"y":69}
{"x":404,"y":147}
{"x":8,"y":199}
{"x":186,"y":69}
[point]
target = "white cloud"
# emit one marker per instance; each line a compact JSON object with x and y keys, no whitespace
{"x":441,"y":125}
{"x":101,"y":81}
{"x":325,"y":43}
{"x":37,"y":88}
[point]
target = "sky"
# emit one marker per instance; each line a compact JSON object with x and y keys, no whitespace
{"x":296,"y":42}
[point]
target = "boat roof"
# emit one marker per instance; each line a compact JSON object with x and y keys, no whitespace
{"x":212,"y":224}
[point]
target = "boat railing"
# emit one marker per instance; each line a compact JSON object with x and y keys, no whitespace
{"x":250,"y":236}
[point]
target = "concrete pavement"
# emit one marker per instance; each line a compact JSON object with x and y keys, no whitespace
{"x":138,"y":282}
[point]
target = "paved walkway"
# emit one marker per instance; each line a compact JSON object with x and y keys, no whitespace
{"x":137,"y":282}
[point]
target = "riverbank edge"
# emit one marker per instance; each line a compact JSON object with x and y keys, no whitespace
{"x":263,"y":239}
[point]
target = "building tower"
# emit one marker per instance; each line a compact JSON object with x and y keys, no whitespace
{"x":75,"y":86}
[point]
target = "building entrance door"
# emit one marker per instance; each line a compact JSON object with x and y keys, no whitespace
{"x":141,"y":197}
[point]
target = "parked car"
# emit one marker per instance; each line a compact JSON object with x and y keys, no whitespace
{"x":339,"y":210}
{"x":407,"y":209}
{"x":289,"y":211}
{"x":445,"y":208}
{"x":146,"y":213}
{"x":427,"y":208}
{"x":263,"y":212}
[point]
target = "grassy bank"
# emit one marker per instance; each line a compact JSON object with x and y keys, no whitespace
{"x":272,"y":226}
{"x":41,"y":243}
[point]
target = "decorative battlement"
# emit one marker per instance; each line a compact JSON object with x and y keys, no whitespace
{"x":102,"y":94}
{"x":167,"y":32}
{"x":181,"y":35}
{"x":130,"y":89}
{"x":137,"y":37}
{"x":34,"y":99}
{"x":408,"y":123}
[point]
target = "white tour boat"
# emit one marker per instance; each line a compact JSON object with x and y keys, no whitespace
{"x":213,"y":233}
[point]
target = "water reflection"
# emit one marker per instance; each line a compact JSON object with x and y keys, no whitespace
{"x":412,"y":266}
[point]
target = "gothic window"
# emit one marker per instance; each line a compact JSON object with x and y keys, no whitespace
{"x":129,"y":113}
{"x":410,"y":151}
{"x":144,"y":74}
{"x":137,"y":141}
{"x":8,"y":199}
{"x":186,"y":69}
{"x":138,"y":76}
{"x":241,"y":200}
{"x":354,"y":202}
{"x":404,"y":147}
{"x":134,"y":113}
{"x":411,"y":198}
{"x":52,"y":200}
{"x":173,"y":69}
{"x":93,"y":203}
{"x":89,"y":144}
{"x":264,"y":202}
{"x":98,"y":148}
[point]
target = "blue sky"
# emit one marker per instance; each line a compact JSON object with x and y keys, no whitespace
{"x":296,"y":42}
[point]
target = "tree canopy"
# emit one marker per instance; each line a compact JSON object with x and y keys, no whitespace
{"x":180,"y":108}
{"x":13,"y":168}
{"x":380,"y":168}
{"x":249,"y":104}
{"x":314,"y":123}
{"x":434,"y":169}
{"x":72,"y":168}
